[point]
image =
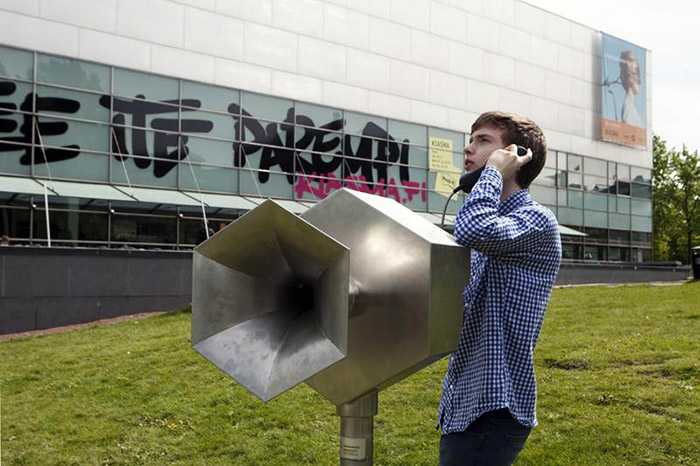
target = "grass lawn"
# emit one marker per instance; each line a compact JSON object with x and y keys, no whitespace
{"x":618,"y":372}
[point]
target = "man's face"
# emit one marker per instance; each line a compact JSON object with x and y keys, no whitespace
{"x":482,"y":143}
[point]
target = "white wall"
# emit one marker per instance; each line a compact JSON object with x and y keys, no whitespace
{"x":433,"y":62}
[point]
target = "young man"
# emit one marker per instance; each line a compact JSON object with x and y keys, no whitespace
{"x":487,"y":407}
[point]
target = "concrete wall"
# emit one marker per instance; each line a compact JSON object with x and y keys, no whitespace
{"x":438,"y":63}
{"x":43,"y":288}
{"x":577,"y":274}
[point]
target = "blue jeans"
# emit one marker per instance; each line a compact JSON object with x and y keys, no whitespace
{"x":494,"y":439}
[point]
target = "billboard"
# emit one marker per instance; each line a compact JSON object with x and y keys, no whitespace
{"x":623,"y":93}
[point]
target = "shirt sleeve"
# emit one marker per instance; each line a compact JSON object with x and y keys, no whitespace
{"x":479,"y":226}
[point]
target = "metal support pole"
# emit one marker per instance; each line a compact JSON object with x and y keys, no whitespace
{"x":357,"y":430}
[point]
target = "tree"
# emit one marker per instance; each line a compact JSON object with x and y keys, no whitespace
{"x":676,"y":201}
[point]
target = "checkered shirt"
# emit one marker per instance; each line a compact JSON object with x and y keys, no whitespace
{"x":516,"y":251}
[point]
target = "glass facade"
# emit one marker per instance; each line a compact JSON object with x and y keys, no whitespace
{"x":610,"y":202}
{"x":67,"y":119}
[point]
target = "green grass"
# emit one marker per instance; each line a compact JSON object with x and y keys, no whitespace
{"x":618,"y":373}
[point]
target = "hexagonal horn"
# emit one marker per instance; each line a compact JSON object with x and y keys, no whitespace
{"x":409,"y":276}
{"x":270,"y":300}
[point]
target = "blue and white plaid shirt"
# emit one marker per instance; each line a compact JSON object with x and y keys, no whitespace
{"x":516,"y":251}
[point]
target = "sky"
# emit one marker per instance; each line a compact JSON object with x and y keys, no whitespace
{"x":669,"y":29}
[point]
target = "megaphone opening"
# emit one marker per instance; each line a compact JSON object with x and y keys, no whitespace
{"x":301,"y":296}
{"x":270,"y":303}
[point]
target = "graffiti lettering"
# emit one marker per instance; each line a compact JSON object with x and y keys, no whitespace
{"x":376,"y":150}
{"x":315,"y":159}
{"x":54,"y":128}
{"x":139,"y":109}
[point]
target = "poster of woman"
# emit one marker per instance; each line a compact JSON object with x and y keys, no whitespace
{"x":623,"y":92}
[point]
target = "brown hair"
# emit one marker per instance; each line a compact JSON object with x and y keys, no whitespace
{"x":522,"y":131}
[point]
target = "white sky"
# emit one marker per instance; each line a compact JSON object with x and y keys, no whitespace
{"x":670,"y":29}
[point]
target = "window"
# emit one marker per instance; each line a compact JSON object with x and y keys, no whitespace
{"x":16,"y":63}
{"x":72,"y":73}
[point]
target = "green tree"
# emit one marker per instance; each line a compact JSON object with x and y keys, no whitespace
{"x":676,"y":201}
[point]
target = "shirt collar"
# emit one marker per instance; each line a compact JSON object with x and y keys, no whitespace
{"x":516,"y":199}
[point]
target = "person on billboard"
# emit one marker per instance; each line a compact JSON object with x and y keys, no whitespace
{"x":631,"y":82}
{"x":487,"y":407}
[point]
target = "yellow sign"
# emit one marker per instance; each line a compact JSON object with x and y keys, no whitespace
{"x":441,"y":155}
{"x":445,"y":182}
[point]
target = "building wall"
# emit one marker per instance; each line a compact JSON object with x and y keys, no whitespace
{"x":44,"y":288}
{"x":432,"y":62}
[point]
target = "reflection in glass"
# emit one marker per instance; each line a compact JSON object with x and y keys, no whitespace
{"x":209,"y":151}
{"x":268,"y":132}
{"x":215,"y":98}
{"x":596,"y":220}
{"x":71,"y":225}
{"x":416,"y":134}
{"x":143,"y":229}
{"x":266,"y":107}
{"x":357,"y":123}
{"x":623,"y":205}
{"x":619,"y":254}
{"x":89,"y":107}
{"x":596,"y":167}
{"x":10,"y":159}
{"x":195,"y":177}
{"x":619,"y":236}
{"x":575,"y":180}
{"x":623,"y":188}
{"x":640,"y":175}
{"x":574,"y":163}
{"x":543,"y":195}
{"x":595,"y":201}
{"x":641,"y":236}
{"x":623,"y":172}
{"x":84,"y":166}
{"x":140,"y":171}
{"x":151,"y":87}
{"x":72,"y":73}
{"x":571,"y":251}
{"x":641,"y":190}
{"x":569,"y":216}
{"x":641,"y":207}
{"x":16,"y":63}
{"x":14,"y":221}
{"x":595,"y":183}
{"x":641,"y":223}
{"x":207,"y":124}
{"x":561,"y":161}
{"x":619,"y":221}
{"x":316,"y":115}
{"x":276,"y":184}
{"x":576,"y":199}
{"x":547,"y":177}
{"x":596,"y":253}
{"x":551,"y":159}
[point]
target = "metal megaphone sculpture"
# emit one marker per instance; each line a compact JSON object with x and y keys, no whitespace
{"x":352,"y":296}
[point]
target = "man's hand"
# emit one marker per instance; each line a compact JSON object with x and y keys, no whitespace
{"x":507,"y":161}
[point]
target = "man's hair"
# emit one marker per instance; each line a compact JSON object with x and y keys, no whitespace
{"x":516,"y":129}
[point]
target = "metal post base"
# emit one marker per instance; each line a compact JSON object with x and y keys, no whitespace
{"x":357,"y":430}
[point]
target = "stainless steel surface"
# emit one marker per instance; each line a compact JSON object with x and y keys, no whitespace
{"x":357,"y":430}
{"x":270,"y":300}
{"x":351,"y":297}
{"x":408,"y":309}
